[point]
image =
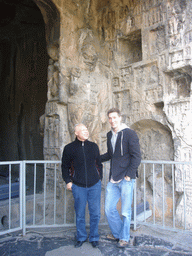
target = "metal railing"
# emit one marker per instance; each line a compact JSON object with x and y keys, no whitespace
{"x":171,"y":206}
{"x":46,"y":200}
{"x":7,"y":210}
{"x":43,"y":200}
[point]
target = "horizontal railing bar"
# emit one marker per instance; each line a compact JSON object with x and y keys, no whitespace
{"x":59,"y":162}
{"x":60,"y":225}
{"x":155,"y":226}
{"x":30,"y":162}
{"x":10,"y":231}
{"x":51,"y":225}
{"x":164,"y":162}
{"x":43,"y":162}
{"x":10,"y":162}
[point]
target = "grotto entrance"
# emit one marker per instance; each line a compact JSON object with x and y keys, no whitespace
{"x":23,"y":76}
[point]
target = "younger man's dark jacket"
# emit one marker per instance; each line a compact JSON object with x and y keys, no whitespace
{"x":126,"y":157}
{"x":81,"y":163}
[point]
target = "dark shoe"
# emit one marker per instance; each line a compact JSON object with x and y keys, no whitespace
{"x":79,"y":244}
{"x":95,"y":244}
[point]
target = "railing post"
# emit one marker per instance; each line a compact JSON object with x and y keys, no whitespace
{"x":105,"y":185}
{"x":34,"y":193}
{"x":9,"y":196}
{"x":163,"y":194}
{"x":24,"y":196}
{"x":55,"y":191}
{"x":184,"y":198}
{"x":135,"y":202}
{"x":21,"y":194}
{"x":153,"y":194}
{"x":144,"y":194}
{"x":45,"y":187}
{"x":173,"y":192}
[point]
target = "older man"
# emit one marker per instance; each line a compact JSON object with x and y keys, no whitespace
{"x":123,"y":150}
{"x":82,"y":171}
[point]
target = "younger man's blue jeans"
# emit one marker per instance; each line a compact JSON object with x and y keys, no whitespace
{"x":114,"y":191}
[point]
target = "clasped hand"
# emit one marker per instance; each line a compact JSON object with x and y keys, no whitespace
{"x":127,"y":178}
{"x":69,"y":186}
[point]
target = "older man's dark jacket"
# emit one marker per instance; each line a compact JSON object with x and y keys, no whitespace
{"x":126,"y":157}
{"x":81,"y":163}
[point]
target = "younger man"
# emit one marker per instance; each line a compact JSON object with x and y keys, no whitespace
{"x":123,"y":150}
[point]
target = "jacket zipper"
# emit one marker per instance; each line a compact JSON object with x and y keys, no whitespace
{"x":122,"y":143}
{"x":85,"y":163}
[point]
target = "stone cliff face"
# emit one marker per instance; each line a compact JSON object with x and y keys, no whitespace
{"x":132,"y":54}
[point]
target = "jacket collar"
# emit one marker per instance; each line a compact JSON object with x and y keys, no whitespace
{"x":122,"y":127}
{"x":120,"y":131}
{"x":79,"y":141}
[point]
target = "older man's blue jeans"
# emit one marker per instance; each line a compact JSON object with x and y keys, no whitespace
{"x":81,"y":196}
{"x":120,"y":228}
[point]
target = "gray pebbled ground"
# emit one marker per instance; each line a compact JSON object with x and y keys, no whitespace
{"x":145,"y":241}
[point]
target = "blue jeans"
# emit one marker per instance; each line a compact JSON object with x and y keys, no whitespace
{"x":81,"y":196}
{"x":114,"y":191}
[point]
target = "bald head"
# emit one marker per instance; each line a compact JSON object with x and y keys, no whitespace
{"x":81,"y":132}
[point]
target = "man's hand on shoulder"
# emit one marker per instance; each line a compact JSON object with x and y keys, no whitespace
{"x":69,"y":186}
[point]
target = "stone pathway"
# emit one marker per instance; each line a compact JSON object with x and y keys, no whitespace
{"x":145,"y":241}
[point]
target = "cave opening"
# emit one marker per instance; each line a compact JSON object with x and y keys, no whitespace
{"x":23,"y":89}
{"x":23,"y":75}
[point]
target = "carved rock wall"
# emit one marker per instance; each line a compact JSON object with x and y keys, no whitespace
{"x":135,"y":55}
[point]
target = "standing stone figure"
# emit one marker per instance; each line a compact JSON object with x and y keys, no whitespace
{"x":84,"y":89}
